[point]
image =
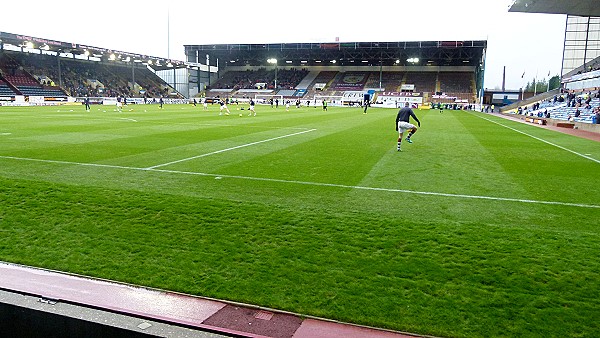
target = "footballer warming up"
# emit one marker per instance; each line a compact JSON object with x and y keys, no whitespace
{"x":403,"y":124}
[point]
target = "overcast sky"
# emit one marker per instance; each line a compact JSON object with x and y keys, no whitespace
{"x":530,"y":43}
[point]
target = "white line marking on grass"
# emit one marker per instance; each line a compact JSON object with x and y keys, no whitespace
{"x":220,"y":176}
{"x":98,"y":165}
{"x":541,"y":140}
{"x":87,"y":117}
{"x":127,"y":119}
{"x":232,"y":125}
{"x":430,"y":193}
{"x":229,"y":149}
{"x":5,"y":134}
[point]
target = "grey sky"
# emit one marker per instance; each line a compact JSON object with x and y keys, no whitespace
{"x":530,"y":43}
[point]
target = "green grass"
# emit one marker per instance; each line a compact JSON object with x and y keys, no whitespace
{"x":452,"y":237}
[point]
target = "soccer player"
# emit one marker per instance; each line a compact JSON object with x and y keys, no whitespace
{"x":324,"y":105}
{"x":119,"y":103}
{"x":87,"y":103}
{"x":366,"y":103}
{"x":204,"y":104}
{"x":223,"y":107}
{"x":251,"y":108}
{"x":403,"y":124}
{"x":160,"y":102}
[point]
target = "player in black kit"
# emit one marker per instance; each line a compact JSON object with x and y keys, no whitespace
{"x":403,"y":124}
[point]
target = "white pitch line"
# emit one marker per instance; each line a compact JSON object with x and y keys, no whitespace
{"x":415,"y":192}
{"x":391,"y":190}
{"x":232,"y":125}
{"x":98,"y":165}
{"x":541,"y":140}
{"x":229,"y":149}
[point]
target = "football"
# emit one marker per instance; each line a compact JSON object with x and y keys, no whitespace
{"x":240,"y":115}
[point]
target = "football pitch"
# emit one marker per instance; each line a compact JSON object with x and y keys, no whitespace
{"x":483,"y":227}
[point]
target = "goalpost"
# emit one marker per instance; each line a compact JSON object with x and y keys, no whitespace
{"x":264,"y":98}
{"x":332,"y":100}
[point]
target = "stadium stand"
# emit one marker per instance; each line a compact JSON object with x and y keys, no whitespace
{"x":569,"y":107}
{"x":20,"y":81}
{"x":456,"y":82}
{"x":5,"y":90}
{"x":41,"y":75}
{"x":424,"y":82}
{"x":390,"y":81}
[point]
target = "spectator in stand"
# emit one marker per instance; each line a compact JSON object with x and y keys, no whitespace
{"x":596,"y":116}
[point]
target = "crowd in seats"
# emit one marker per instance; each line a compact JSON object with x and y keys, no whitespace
{"x":569,"y":106}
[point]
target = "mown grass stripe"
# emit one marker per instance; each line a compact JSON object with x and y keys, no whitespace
{"x":229,"y":149}
{"x":539,"y":139}
{"x":430,"y":193}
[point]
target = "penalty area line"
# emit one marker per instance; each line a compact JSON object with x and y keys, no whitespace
{"x":317,"y":184}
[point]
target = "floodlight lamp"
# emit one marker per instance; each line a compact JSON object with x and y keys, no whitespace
{"x":413,"y":60}
{"x":169,"y":64}
{"x":288,"y":61}
{"x":127,"y":59}
{"x":333,"y":61}
{"x":29,"y":45}
{"x":112,"y":57}
{"x":397,"y":61}
{"x":149,"y":62}
{"x":86,"y":53}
